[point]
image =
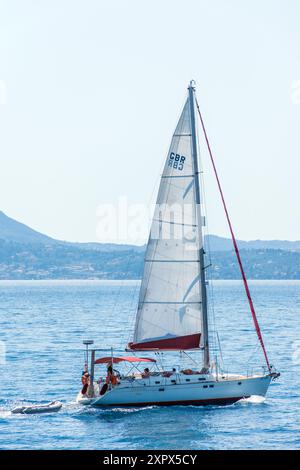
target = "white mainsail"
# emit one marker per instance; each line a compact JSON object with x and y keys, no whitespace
{"x":169,"y":312}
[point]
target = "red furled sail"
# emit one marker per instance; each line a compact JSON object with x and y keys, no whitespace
{"x":171,"y":344}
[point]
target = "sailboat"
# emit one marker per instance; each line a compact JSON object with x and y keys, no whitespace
{"x":172,"y":311}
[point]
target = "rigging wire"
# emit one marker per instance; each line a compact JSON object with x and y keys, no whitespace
{"x":208,"y":255}
{"x":253,"y":352}
{"x":247,"y":290}
{"x":214,"y":338}
{"x":221,"y":353}
{"x":187,"y":355}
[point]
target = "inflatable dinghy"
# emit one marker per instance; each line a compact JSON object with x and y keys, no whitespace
{"x":51,"y":407}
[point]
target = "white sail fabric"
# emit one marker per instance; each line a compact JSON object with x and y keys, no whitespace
{"x":170,"y":296}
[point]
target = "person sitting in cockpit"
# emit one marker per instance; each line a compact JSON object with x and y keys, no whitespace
{"x":146,"y":373}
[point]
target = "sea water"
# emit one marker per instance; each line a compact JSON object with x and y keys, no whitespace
{"x":44,"y":323}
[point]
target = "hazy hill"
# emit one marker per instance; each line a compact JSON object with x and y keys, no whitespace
{"x":11,"y":230}
{"x":28,"y":254}
{"x":224,"y":244}
{"x":14,"y":231}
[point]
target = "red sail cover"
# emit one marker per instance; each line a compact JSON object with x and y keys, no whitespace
{"x":181,"y":343}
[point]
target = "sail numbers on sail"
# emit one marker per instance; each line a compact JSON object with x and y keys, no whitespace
{"x":176,"y":161}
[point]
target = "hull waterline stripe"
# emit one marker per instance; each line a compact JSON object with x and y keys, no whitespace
{"x":204,"y":402}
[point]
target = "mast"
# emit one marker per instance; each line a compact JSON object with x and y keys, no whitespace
{"x":191,"y":89}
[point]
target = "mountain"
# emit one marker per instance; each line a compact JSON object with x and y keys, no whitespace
{"x":13,"y":231}
{"x":28,"y":254}
{"x":217,"y":243}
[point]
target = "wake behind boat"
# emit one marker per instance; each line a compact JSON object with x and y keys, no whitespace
{"x":172,"y":313}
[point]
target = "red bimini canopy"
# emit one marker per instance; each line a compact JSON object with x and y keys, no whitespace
{"x":116,"y":360}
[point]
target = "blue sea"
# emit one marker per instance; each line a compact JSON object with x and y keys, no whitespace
{"x":43,"y":324}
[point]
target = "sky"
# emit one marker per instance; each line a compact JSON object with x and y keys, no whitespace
{"x":90,"y":93}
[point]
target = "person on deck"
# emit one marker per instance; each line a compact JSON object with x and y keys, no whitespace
{"x":85,"y":380}
{"x":146,"y":373}
{"x":111,"y":378}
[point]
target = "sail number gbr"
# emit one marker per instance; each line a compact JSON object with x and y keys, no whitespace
{"x":176,"y":161}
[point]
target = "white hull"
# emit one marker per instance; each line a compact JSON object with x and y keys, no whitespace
{"x":184,"y":390}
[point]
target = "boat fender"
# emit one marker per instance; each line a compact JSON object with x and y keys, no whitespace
{"x":104,"y":389}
